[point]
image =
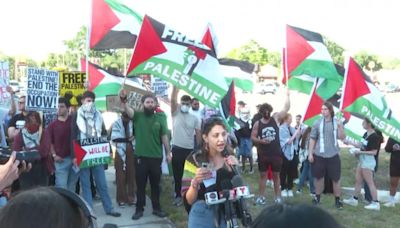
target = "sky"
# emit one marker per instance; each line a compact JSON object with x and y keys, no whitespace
{"x":36,"y":28}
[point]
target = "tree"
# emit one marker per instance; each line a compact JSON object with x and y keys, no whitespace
{"x":368,"y":61}
{"x":335,"y":50}
{"x":255,"y":53}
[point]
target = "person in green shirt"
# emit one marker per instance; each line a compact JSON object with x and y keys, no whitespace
{"x":151,"y":133}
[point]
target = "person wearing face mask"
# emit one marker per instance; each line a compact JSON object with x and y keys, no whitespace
{"x":244,"y":136}
{"x":184,"y":126}
{"x":265,"y":134}
{"x":89,"y":124}
{"x":151,"y":137}
{"x":28,"y":139}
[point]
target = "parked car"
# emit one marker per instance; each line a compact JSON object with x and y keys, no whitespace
{"x":264,"y":88}
{"x":392,"y":88}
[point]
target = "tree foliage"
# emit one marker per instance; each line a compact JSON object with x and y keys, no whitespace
{"x":255,"y":53}
{"x":368,"y":61}
{"x":335,"y":50}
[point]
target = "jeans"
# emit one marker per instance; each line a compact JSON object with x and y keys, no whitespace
{"x":306,"y":174}
{"x":66,"y":177}
{"x":101,"y":186}
{"x":202,"y":216}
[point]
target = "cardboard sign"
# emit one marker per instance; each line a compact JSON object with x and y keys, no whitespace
{"x":92,"y":152}
{"x":73,"y":83}
{"x":42,"y":90}
{"x":134,"y":99}
{"x":4,"y":81}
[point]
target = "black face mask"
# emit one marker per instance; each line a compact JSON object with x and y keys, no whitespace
{"x":148,"y":111}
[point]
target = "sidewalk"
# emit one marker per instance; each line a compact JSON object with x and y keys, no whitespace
{"x":147,"y":221}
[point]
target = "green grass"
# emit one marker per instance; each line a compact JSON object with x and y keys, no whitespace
{"x":356,"y":217}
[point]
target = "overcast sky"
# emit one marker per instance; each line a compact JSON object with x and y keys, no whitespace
{"x":36,"y":28}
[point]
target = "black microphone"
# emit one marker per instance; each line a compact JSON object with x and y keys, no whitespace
{"x":230,"y":214}
{"x":234,"y":168}
{"x":242,"y":193}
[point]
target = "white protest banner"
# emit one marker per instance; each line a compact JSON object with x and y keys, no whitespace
{"x":4,"y":82}
{"x":42,"y":90}
{"x":92,"y":152}
{"x":159,"y":87}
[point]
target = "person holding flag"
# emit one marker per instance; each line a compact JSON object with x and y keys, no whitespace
{"x":324,"y":152}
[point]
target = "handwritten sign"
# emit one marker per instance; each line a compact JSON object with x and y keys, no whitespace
{"x":92,"y":152}
{"x":134,"y":99}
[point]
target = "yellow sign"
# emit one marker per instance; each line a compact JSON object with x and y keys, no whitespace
{"x":73,"y":83}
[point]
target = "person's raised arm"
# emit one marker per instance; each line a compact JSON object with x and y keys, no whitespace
{"x":174,"y":99}
{"x":285,"y":108}
{"x":123,"y":96}
{"x":13,"y":108}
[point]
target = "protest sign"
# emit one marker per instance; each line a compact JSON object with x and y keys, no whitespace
{"x":159,"y":87}
{"x":72,"y":83}
{"x":92,"y":152}
{"x":134,"y":99}
{"x":49,"y":117}
{"x":42,"y":90}
{"x":4,"y":82}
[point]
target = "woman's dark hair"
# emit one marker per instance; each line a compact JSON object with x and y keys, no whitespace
{"x":329,"y":105}
{"x":304,"y":137}
{"x":208,"y":125}
{"x":35,"y":115}
{"x":41,"y":207}
{"x":297,"y":215}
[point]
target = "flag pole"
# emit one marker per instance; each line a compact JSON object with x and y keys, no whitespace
{"x":88,"y":45}
{"x":346,"y":71}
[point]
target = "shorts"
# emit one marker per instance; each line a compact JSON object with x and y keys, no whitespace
{"x":394,"y":165}
{"x":330,"y":166}
{"x":245,"y":147}
{"x":274,"y":161}
{"x":367,"y":162}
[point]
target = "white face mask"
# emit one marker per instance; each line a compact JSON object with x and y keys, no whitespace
{"x":88,"y":107}
{"x":185,"y":108}
{"x":245,"y":117}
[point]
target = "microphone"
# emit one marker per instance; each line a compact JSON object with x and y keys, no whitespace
{"x":234,"y":168}
{"x":242,"y":193}
{"x":230,"y":214}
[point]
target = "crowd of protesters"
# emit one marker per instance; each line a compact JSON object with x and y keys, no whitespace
{"x":286,"y":152}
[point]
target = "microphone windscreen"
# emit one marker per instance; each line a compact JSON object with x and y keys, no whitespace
{"x":237,"y":181}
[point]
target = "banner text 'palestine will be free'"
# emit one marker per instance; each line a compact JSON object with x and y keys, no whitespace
{"x":185,"y":63}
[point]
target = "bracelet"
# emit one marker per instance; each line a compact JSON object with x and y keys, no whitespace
{"x":194,"y":184}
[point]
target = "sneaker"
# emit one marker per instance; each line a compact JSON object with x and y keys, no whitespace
{"x":160,"y":213}
{"x":339,"y":205}
{"x":114,"y":214}
{"x":389,"y":204}
{"x":290,"y":193}
{"x":178,"y":201}
{"x":269,"y":183}
{"x":315,"y":202}
{"x":284,"y":193}
{"x":260,"y":200}
{"x":373,"y":206}
{"x":251,"y":171}
{"x":351,"y":201}
{"x":121,"y":204}
{"x":278,"y":200}
{"x":137,"y":215}
{"x":298,"y":192}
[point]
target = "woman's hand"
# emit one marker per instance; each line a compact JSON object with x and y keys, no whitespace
{"x":202,"y":174}
{"x":231,"y":160}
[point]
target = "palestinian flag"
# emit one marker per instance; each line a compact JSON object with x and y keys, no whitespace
{"x":92,"y":152}
{"x":313,"y":110}
{"x":113,"y":25}
{"x":306,"y":58}
{"x":170,"y":55}
{"x":360,"y":96}
{"x":103,"y":83}
{"x":228,"y":106}
{"x":238,"y":71}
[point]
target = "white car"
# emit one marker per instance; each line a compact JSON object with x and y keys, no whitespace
{"x":266,"y":88}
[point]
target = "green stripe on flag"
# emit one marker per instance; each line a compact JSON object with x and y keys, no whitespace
{"x":300,"y":85}
{"x":115,"y":5}
{"x":243,"y":84}
{"x":315,"y":68}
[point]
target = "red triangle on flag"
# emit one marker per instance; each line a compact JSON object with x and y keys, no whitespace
{"x":298,"y":49}
{"x":232,"y":103}
{"x":355,"y":86}
{"x":95,"y":76}
{"x":79,"y":152}
{"x":148,"y":45}
{"x":314,"y":107}
{"x":103,"y":20}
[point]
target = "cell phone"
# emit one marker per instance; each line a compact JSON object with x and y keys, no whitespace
{"x":204,"y":165}
{"x":27,"y":156}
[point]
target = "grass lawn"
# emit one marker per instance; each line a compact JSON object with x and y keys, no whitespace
{"x":348,"y":217}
